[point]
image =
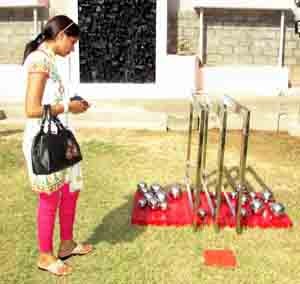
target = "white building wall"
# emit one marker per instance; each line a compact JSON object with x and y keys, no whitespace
{"x":186,"y":4}
{"x":174,"y":74}
{"x":175,"y":5}
{"x":60,"y":7}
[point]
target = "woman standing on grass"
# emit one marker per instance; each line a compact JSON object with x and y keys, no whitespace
{"x":58,"y":190}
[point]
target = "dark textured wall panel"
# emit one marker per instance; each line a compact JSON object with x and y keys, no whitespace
{"x":117,"y":40}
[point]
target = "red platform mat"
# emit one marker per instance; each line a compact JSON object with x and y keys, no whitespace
{"x":179,"y":214}
{"x":264,"y":220}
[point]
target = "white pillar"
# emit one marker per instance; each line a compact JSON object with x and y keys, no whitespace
{"x":201,"y":31}
{"x":281,"y":45}
{"x":35,"y":22}
{"x":74,"y":65}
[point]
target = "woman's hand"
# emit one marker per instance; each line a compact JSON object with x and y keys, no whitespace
{"x":77,"y":106}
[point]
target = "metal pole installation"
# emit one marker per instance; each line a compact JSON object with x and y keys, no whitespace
{"x":281,"y":45}
{"x":188,"y":158}
{"x":221,"y":150}
{"x":243,"y":161}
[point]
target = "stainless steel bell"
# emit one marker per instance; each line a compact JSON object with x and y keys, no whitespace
{"x":153,"y":203}
{"x":175,"y":191}
{"x":142,"y":203}
{"x":155,"y":187}
{"x":257,"y":206}
{"x":252,"y":194}
{"x":244,"y":198}
{"x":277,"y":208}
{"x":201,"y":213}
{"x":213,"y":194}
{"x":163,"y":206}
{"x":161,"y":196}
{"x":233,"y":194}
{"x":142,"y":187}
{"x":148,"y":195}
{"x":267,"y":195}
{"x":244,"y":212}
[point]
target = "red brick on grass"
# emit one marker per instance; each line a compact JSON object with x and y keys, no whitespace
{"x":220,"y":258}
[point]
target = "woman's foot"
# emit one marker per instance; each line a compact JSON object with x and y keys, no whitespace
{"x":52,"y":264}
{"x":70,"y":248}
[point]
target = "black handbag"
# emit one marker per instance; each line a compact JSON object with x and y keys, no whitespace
{"x":55,"y":148}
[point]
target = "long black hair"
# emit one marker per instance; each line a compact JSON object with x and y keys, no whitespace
{"x":52,"y":28}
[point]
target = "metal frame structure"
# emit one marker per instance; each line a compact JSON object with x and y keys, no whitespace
{"x":203,"y":105}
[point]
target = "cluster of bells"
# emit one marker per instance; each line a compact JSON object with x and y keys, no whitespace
{"x":253,"y":203}
{"x":155,"y":197}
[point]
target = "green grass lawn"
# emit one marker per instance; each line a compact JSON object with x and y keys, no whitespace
{"x":114,"y":162}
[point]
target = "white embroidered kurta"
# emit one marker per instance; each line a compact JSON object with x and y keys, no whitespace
{"x":43,"y":60}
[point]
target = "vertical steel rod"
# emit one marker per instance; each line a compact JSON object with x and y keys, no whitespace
{"x":243,"y":161}
{"x":199,"y":163}
{"x":188,"y":158}
{"x":203,"y":170}
{"x":201,"y":34}
{"x":188,"y":155}
{"x":282,"y":35}
{"x":200,"y":149}
{"x":203,"y":167}
{"x":221,"y":150}
{"x":35,"y":22}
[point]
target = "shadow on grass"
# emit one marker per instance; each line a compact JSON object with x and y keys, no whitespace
{"x":5,"y":133}
{"x":116,"y":226}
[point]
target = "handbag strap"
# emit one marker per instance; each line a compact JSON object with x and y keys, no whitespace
{"x":46,"y":117}
{"x":50,"y":118}
{"x":58,"y":123}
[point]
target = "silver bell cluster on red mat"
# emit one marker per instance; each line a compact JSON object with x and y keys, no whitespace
{"x":155,"y":196}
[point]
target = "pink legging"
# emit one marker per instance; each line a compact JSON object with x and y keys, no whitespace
{"x":46,"y":213}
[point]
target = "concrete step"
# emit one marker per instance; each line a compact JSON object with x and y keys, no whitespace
{"x":130,"y":117}
{"x":268,"y":121}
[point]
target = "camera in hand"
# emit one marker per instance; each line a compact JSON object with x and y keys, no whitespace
{"x":79,"y":98}
{"x":76,"y":98}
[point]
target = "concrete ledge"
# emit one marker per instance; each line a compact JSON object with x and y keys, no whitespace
{"x":267,"y":122}
{"x":102,"y":116}
{"x":122,"y":117}
{"x":267,"y":113}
